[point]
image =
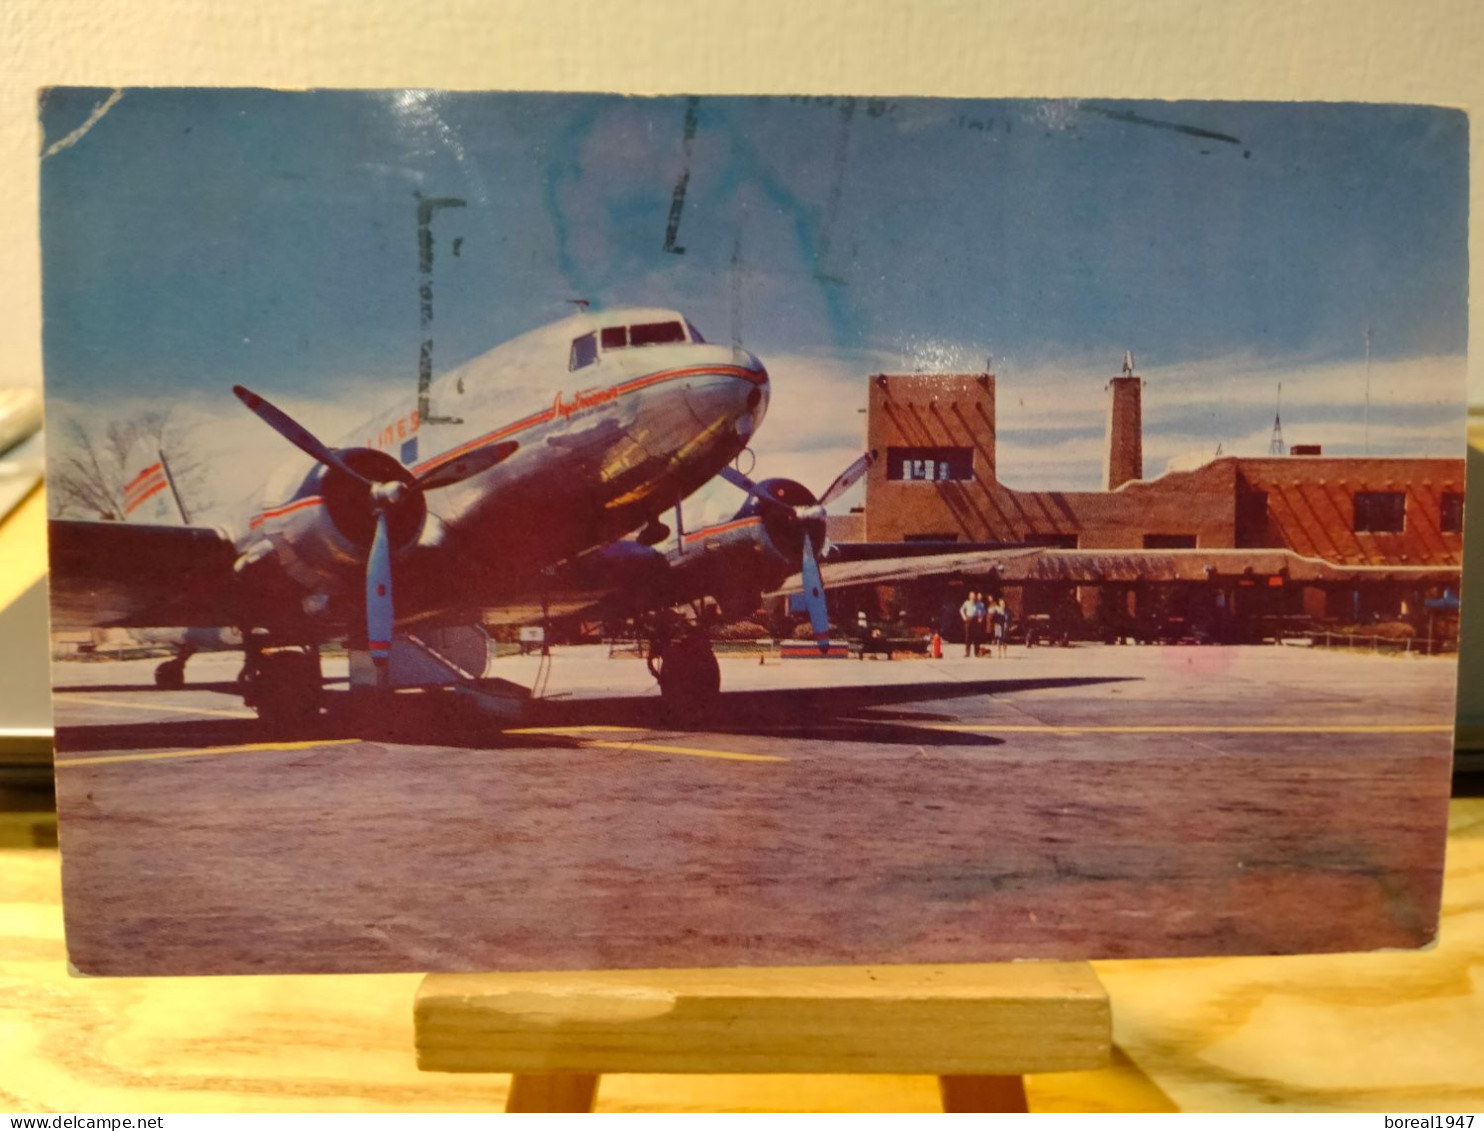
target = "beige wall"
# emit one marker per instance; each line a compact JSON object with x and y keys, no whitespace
{"x":1371,"y":50}
{"x":1396,"y":50}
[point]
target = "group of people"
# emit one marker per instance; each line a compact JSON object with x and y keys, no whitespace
{"x":980,"y":615}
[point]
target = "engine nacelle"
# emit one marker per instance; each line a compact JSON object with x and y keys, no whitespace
{"x":736,"y":561}
{"x":322,"y":535}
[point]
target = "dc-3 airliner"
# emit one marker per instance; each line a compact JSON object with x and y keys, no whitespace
{"x":536,"y":486}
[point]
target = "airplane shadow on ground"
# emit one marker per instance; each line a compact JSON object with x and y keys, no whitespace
{"x":871,"y":714}
{"x":827,"y":714}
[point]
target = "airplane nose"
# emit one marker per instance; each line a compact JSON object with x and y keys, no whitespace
{"x":732,"y":393}
{"x":756,"y":398}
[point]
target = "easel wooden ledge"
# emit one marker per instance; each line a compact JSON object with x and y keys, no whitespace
{"x":979,"y":1028}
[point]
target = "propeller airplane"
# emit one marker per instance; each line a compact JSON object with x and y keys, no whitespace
{"x":549,"y":453}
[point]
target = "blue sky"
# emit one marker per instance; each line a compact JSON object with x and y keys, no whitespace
{"x":193,"y":239}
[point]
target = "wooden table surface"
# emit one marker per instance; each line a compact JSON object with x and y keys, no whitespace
{"x":1397,"y":1031}
{"x":1387,"y":1032}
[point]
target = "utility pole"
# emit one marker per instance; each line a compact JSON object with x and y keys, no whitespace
{"x":426,"y":206}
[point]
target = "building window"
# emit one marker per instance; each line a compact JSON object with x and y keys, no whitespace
{"x":1380,"y":512}
{"x":932,"y":465}
{"x":1169,"y":541}
{"x":1450,"y":518}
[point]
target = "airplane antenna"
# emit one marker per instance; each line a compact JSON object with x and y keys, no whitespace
{"x":1275,"y":447}
{"x":185,"y":515}
{"x":679,"y":530}
{"x":426,"y":206}
{"x":580,"y":303}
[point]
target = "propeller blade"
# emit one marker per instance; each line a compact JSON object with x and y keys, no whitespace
{"x":380,"y":613}
{"x":295,"y":433}
{"x":737,"y":479}
{"x":847,"y":478}
{"x":466,"y":466}
{"x":819,"y":617}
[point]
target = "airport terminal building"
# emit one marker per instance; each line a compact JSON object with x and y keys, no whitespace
{"x":1353,"y":520}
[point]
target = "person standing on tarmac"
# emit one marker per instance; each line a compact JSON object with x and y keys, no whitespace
{"x":999,"y":617}
{"x":972,"y":626}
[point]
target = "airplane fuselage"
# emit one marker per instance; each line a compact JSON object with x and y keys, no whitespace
{"x":577,"y":433}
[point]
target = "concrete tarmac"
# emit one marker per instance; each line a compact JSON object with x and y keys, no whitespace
{"x":1062,"y":802}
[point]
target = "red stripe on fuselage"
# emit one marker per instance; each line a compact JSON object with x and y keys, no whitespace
{"x":497,"y":434}
{"x":706,"y":532}
{"x":756,"y":376}
{"x":312,"y":501}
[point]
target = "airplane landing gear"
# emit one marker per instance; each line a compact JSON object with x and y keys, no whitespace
{"x":687,"y":671}
{"x":283,"y":686}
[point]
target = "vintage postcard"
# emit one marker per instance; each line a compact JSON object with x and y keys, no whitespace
{"x":537,"y":531}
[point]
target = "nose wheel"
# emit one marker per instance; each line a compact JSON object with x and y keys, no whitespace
{"x":284,"y":687}
{"x":685,"y":667}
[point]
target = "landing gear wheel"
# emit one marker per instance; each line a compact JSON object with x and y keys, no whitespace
{"x":170,"y":675}
{"x":285,"y":688}
{"x":689,"y":676}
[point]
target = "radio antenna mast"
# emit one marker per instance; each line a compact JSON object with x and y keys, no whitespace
{"x":1368,"y":389}
{"x":1275,"y":448}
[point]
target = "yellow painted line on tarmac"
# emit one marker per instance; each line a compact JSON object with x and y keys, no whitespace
{"x":579,"y":733}
{"x":253,"y":748}
{"x":590,"y":729}
{"x":87,"y":698}
{"x":692,"y":751}
{"x":1235,"y":728}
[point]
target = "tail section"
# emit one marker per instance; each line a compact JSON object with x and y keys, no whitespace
{"x":149,"y":494}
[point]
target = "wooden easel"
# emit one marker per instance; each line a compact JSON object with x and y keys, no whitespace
{"x":978,"y":1028}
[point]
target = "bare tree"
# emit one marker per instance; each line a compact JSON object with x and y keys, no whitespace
{"x":88,"y":476}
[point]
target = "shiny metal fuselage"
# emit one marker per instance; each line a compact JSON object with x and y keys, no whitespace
{"x":602,"y":450}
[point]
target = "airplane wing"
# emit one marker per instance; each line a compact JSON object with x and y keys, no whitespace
{"x":619,"y":579}
{"x":1086,"y":567}
{"x":116,"y":574}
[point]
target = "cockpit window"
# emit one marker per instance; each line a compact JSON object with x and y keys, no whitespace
{"x":656,"y":333}
{"x":695,"y":335}
{"x":615,"y":337}
{"x":584,"y":351}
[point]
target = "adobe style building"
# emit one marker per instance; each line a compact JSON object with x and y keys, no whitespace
{"x":936,"y":480}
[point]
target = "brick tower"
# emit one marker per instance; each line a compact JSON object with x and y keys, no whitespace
{"x":1125,"y":458}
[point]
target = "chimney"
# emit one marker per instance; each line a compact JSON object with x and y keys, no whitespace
{"x":1125,"y":459}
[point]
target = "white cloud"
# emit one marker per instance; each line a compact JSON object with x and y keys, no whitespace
{"x":1051,"y":415}
{"x":1227,"y":390}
